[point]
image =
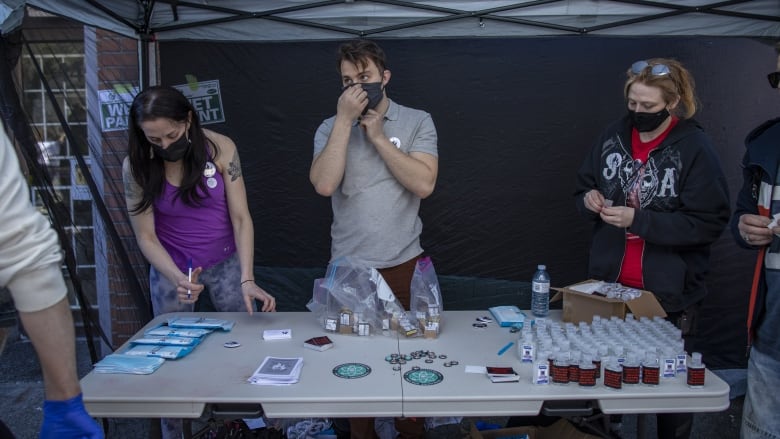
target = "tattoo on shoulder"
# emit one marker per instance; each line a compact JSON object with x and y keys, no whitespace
{"x":234,"y":167}
{"x":132,"y":189}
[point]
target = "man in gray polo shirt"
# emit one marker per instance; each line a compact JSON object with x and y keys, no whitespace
{"x":376,"y":160}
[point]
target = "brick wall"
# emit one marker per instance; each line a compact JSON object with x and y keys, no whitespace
{"x":113,"y":60}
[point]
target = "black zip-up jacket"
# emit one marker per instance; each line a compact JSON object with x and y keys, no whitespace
{"x":759,"y":172}
{"x":684,"y":209}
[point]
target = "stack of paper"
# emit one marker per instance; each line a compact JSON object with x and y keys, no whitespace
{"x":277,"y":334}
{"x":276,"y":371}
{"x":120,"y":363}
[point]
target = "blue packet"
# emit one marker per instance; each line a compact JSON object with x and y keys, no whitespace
{"x":200,"y":322}
{"x":121,"y":363}
{"x":162,"y":340}
{"x":167,"y":331}
{"x":167,"y":352}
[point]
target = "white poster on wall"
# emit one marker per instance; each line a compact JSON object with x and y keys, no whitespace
{"x":206,"y":98}
{"x":115,"y":107}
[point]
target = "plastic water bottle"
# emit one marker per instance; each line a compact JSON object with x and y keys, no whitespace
{"x":540,"y":292}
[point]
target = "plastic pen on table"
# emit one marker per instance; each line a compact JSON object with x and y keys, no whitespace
{"x":189,"y":278}
{"x":505,"y":348}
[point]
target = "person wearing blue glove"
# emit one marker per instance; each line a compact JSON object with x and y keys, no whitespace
{"x":30,"y":260}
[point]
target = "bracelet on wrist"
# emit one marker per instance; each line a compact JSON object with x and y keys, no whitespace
{"x":245,"y":281}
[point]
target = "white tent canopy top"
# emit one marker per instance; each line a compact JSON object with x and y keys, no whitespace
{"x":290,"y":20}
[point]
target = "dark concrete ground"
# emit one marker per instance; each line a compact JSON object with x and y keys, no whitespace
{"x":22,"y":398}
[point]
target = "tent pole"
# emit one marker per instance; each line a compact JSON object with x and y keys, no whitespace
{"x":143,"y":62}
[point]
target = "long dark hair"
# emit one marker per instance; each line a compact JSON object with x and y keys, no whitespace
{"x":161,"y":102}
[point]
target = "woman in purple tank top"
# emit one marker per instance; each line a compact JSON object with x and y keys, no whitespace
{"x":188,"y":209}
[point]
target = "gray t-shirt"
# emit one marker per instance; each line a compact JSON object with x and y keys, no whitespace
{"x":375,"y":219}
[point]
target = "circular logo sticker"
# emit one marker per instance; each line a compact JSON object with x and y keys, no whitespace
{"x":423,"y":377}
{"x":351,"y":370}
{"x":209,"y":170}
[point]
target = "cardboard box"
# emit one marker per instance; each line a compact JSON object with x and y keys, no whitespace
{"x":581,"y":307}
{"x":503,"y":433}
{"x":563,"y":429}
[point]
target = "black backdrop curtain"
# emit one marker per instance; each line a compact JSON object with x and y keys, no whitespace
{"x":515,"y":118}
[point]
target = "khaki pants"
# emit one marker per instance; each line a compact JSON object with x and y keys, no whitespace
{"x":399,"y":278}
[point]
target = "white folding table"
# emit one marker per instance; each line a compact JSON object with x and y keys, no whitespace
{"x":214,"y":374}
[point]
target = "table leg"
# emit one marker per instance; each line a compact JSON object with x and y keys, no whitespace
{"x":641,"y":423}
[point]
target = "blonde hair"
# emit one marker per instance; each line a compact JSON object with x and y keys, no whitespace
{"x":678,"y":84}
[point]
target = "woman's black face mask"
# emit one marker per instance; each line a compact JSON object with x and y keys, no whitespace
{"x":175,"y":150}
{"x":645,"y":122}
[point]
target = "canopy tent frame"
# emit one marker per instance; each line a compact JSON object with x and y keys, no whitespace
{"x":284,"y":20}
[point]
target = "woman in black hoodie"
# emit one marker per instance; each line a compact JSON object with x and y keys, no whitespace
{"x":654,"y":189}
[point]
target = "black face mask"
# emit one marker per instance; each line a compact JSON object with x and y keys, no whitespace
{"x":645,"y":122}
{"x":175,"y":151}
{"x":375,"y":94}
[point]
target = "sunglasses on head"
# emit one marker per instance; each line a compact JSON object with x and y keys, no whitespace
{"x":774,"y":79}
{"x":655,"y":70}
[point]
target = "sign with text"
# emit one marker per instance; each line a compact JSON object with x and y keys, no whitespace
{"x":114,"y":108}
{"x":207,"y":100}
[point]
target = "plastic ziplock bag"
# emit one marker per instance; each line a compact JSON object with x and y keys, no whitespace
{"x":425,"y":302}
{"x":353,"y":298}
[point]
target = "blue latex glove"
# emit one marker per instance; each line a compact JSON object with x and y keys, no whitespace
{"x":68,"y":420}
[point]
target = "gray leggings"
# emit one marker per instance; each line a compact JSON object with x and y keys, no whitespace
{"x":223,"y":284}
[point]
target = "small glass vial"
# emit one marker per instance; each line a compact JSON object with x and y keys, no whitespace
{"x":527,"y":348}
{"x":542,"y":356}
{"x":560,"y":369}
{"x":587,"y":372}
{"x":631,"y":370}
{"x":574,"y":367}
{"x":669,"y":363}
{"x":619,"y":353}
{"x":613,"y":375}
{"x":696,"y":371}
{"x":601,"y":355}
{"x":551,"y":358}
{"x":681,"y":357}
{"x":651,"y":371}
{"x":541,"y":372}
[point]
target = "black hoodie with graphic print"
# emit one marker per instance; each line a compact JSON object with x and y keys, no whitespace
{"x":684,"y":203}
